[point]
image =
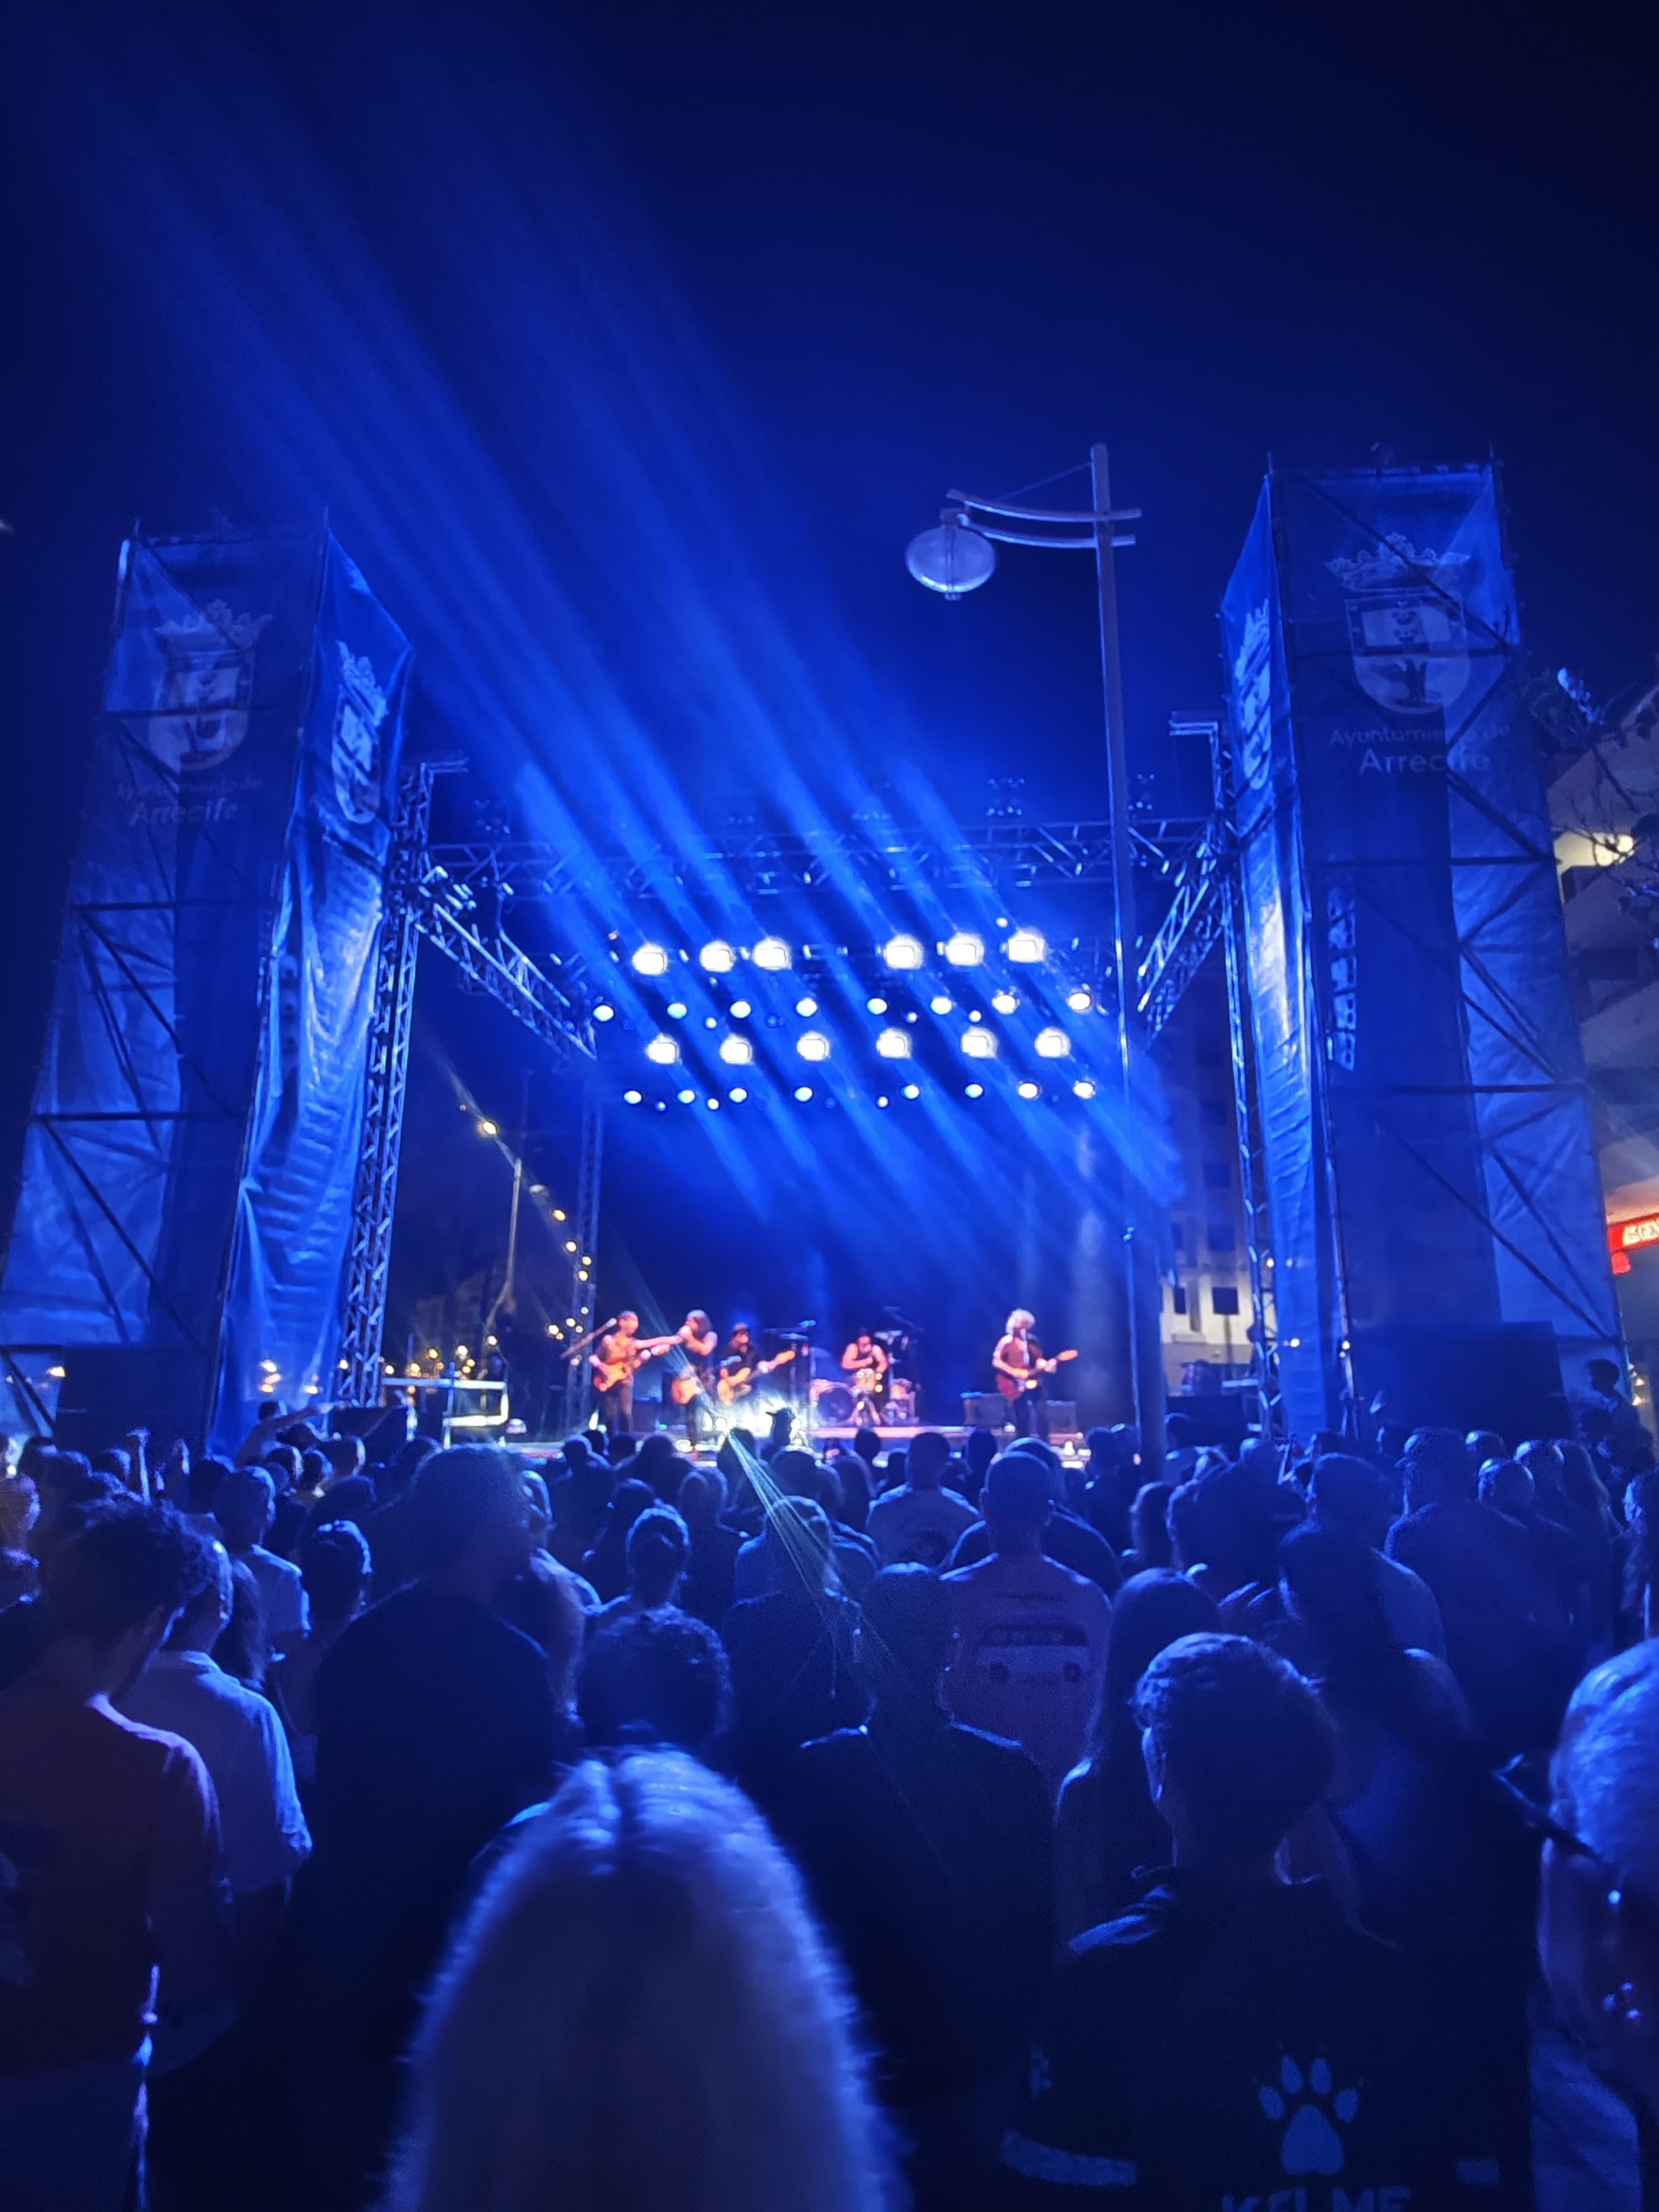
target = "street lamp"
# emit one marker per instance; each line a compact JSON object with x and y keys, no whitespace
{"x":957,"y":558}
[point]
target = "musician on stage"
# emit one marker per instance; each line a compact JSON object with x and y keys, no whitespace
{"x":692,"y":1383}
{"x":867,"y":1362}
{"x":1018,"y":1359}
{"x":619,"y":1349}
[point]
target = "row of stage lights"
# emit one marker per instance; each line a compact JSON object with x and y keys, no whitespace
{"x":1084,"y":1087}
{"x":903,"y":953}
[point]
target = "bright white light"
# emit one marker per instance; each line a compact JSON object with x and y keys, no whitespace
{"x":772,"y":954}
{"x":604,"y":1012}
{"x":741,"y":1010}
{"x":979,"y":1044}
{"x":632,"y":1097}
{"x":1080,"y":1000}
{"x":663,"y":1049}
{"x":803,"y":1092}
{"x":737,"y":1094}
{"x":1029,"y":1090}
{"x":686,"y":1098}
{"x":1003,"y":1001}
{"x":975,"y":1091}
{"x":651,"y":960}
{"x":965,"y":949}
{"x":881,"y":1102}
{"x":894,"y":1044}
{"x":806,"y":1007}
{"x":1084,"y":1088}
{"x":570,"y":1242}
{"x":676,"y":1010}
{"x":876,"y":1006}
{"x":1053,"y":1044}
{"x":912,"y":1091}
{"x":1027,"y":946}
{"x":487,"y":1129}
{"x":718,"y":957}
{"x":736,"y":1051}
{"x":812,"y":1044}
{"x":941,"y":1004}
{"x":713,"y":1104}
{"x":903,"y":953}
{"x":709,"y":1022}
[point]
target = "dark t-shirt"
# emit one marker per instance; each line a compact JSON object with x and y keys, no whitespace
{"x":436,"y":1722}
{"x":927,"y":1849}
{"x":1068,"y":1541}
{"x":1217,"y":2046}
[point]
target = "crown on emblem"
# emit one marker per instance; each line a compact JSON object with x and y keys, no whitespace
{"x":214,"y":624}
{"x":1395,"y":561}
{"x":358,"y":676}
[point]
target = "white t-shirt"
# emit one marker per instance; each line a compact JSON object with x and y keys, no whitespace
{"x":242,"y":1746}
{"x":908,"y":1524}
{"x":282,"y":1592}
{"x":1028,"y":1652}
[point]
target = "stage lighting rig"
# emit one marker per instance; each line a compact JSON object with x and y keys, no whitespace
{"x":651,"y":960}
{"x":1027,"y":947}
{"x":904,"y":953}
{"x":965,"y":949}
{"x":772,"y":955}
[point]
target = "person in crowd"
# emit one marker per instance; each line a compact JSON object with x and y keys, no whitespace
{"x":347,"y":1498}
{"x":792,"y":1652}
{"x":110,"y":1837}
{"x":855,"y":1478}
{"x":925,"y":1847}
{"x":1107,"y":1833}
{"x":921,"y":1520}
{"x":1599,"y":1902}
{"x":977,"y":1453}
{"x":201,"y":1488}
{"x":337,"y":1570}
{"x":729,"y":2078}
{"x":1180,"y":1449}
{"x":659,"y":1461}
{"x":547,"y":1599}
{"x":1354,"y":1497}
{"x":653,"y":1678}
{"x":1151,"y":1545}
{"x":1224,"y":1531}
{"x":1030,"y":1645}
{"x":1628,"y":1443}
{"x":20,"y":1509}
{"x":1067,"y":1537}
{"x":658,"y":1545}
{"x":391,"y":1528}
{"x":580,"y":1501}
{"x":764,"y":1563}
{"x":243,"y":1505}
{"x":436,"y":1722}
{"x":1112,"y":1476}
{"x":604,"y":1565}
{"x":1233,"y":2038}
{"x":709,"y":1585}
{"x":243,"y":1649}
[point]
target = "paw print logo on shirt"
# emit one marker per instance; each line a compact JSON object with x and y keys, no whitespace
{"x":1310,"y":2143}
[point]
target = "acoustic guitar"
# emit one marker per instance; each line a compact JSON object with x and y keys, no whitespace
{"x":1022,"y":1387}
{"x":607,"y":1373}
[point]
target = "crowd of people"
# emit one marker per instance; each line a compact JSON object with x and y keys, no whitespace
{"x":613,"y":1828}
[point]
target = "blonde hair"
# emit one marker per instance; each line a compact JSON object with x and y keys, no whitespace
{"x":1019,"y":1319}
{"x":639,"y":2013}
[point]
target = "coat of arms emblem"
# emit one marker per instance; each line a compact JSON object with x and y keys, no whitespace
{"x":358,"y":714}
{"x":207,"y":684}
{"x":1406,"y":626}
{"x":1253,"y":701}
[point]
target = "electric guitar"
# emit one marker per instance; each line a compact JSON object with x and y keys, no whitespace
{"x":607,"y":1373}
{"x":739,"y":1381}
{"x":1021,"y":1386}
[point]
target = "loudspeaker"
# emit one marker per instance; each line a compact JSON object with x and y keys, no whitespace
{"x":1506,"y":1378}
{"x":984,"y":1409}
{"x":1062,"y":1415}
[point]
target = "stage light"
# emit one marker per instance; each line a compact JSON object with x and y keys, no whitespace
{"x":651,"y":960}
{"x":1051,"y":1044}
{"x":1080,"y":1000}
{"x":686,"y":1098}
{"x":604,"y":1012}
{"x":912,"y":1091}
{"x":771,"y":954}
{"x":713,"y":1104}
{"x":570,"y":1242}
{"x":941,"y":1004}
{"x":1027,"y":946}
{"x":894,"y":1044}
{"x":553,"y":1329}
{"x":876,"y":1006}
{"x":558,"y":1213}
{"x":718,"y":957}
{"x":806,"y":1007}
{"x":812,"y":1044}
{"x":632,"y":1097}
{"x":487,"y":1129}
{"x":803,"y":1092}
{"x":736,"y":1051}
{"x":1084,"y":1088}
{"x":975,"y":1091}
{"x":965,"y":949}
{"x":675,"y":1009}
{"x":979,"y":1044}
{"x":903,"y":953}
{"x":881,"y":1102}
{"x":737,"y":1094}
{"x":1028,"y":1090}
{"x":741,"y":1010}
{"x":1003,"y":1001}
{"x":662,"y":1050}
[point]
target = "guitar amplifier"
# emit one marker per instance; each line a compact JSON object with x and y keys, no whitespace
{"x":1062,"y":1415}
{"x":984,"y":1409}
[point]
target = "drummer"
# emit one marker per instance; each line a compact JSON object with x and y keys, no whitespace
{"x":867,"y":1362}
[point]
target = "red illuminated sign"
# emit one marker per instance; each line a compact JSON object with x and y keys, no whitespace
{"x":1632,"y":1235}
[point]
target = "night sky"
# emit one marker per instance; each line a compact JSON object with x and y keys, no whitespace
{"x":868,"y":253}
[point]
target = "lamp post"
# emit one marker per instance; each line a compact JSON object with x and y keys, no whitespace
{"x":957,"y":557}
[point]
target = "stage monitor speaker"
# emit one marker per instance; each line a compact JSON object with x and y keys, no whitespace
{"x":1507,"y":1378}
{"x":1062,"y":1414}
{"x":984,"y":1409}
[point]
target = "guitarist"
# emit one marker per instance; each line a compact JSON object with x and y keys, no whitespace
{"x":618,"y":1359}
{"x":693,"y":1381}
{"x":1020,"y":1369}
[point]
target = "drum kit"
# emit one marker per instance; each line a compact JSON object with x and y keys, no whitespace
{"x":869,"y":1399}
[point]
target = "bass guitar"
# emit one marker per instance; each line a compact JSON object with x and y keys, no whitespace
{"x":739,"y":1381}
{"x":1021,"y":1386}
